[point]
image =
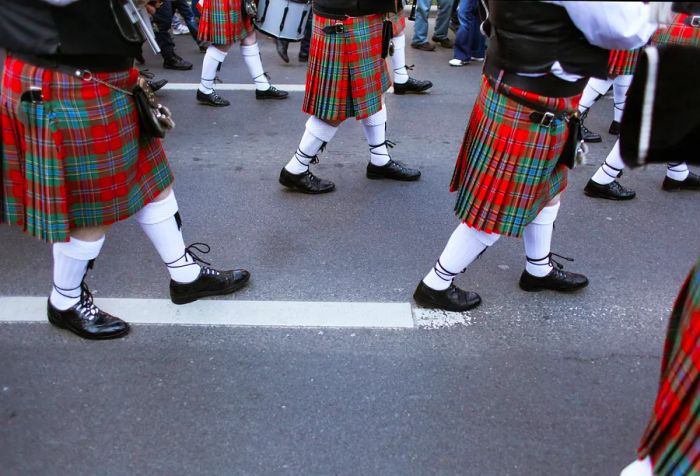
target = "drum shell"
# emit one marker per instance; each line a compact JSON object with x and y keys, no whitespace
{"x":283,"y":19}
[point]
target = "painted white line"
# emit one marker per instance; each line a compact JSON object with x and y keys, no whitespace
{"x":230,"y":313}
{"x":232,"y":87}
{"x":437,"y":319}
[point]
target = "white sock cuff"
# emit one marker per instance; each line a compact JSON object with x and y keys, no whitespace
{"x":321,"y":130}
{"x":250,"y":50}
{"x":547,"y":215}
{"x":399,"y":41}
{"x":679,"y":167}
{"x":216,"y":54}
{"x":79,"y":249}
{"x":376,"y":119}
{"x":486,"y":239}
{"x":157,"y":212}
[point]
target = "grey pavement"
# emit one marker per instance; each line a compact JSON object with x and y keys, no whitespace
{"x":532,"y":384}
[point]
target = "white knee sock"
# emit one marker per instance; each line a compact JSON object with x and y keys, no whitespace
{"x":398,"y":59}
{"x":538,"y":241}
{"x":375,"y":132}
{"x":677,"y":171}
{"x":70,"y":261}
{"x":157,"y":220}
{"x":611,"y":168}
{"x":620,"y":86}
{"x":316,"y":134}
{"x":640,"y":467}
{"x":251,"y":56}
{"x":595,"y":88}
{"x":212,"y":59}
{"x":463,"y":247}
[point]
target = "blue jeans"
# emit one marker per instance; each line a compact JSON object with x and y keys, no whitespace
{"x":469,"y":43}
{"x":420,"y":29}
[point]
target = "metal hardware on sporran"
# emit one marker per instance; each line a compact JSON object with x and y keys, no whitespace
{"x":283,"y":19}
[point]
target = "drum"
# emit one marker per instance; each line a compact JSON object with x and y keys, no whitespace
{"x":284,"y":19}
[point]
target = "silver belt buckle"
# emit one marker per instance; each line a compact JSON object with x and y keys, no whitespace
{"x":695,"y":21}
{"x":547,"y":119}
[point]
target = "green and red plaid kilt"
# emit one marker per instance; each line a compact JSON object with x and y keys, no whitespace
{"x":507,"y":170}
{"x":672,"y":438}
{"x":622,"y":62}
{"x":398,"y":23}
{"x":347,"y":75}
{"x":222,"y":22}
{"x":75,"y":159}
{"x":678,"y":33}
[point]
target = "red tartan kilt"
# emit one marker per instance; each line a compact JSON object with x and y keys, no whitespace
{"x":222,"y":22}
{"x":398,"y":23}
{"x":622,"y":62}
{"x":77,"y":158}
{"x":678,"y":33}
{"x":507,"y":170}
{"x":347,"y":75}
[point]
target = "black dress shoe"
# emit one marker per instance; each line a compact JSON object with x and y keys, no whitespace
{"x":556,"y":280}
{"x":281,"y":46}
{"x":303,"y":56}
{"x":87,"y":320}
{"x":212,"y":99}
{"x":175,"y":62}
{"x":611,"y":191}
{"x":306,"y":182}
{"x":392,"y":170}
{"x":588,"y":135}
{"x":451,"y":299}
{"x":272,"y":93}
{"x":156,"y":85}
{"x":614,"y":128}
{"x":210,"y":282}
{"x":412,"y":86}
{"x":691,"y":182}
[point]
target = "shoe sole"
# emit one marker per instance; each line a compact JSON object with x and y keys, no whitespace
{"x":194,"y":297}
{"x":535,"y":289}
{"x":86,"y":335}
{"x":417,"y":91}
{"x":205,"y":103}
{"x":593,"y":141}
{"x":259,"y":98}
{"x":607,"y":197}
{"x":430,"y":305}
{"x":373,"y":176}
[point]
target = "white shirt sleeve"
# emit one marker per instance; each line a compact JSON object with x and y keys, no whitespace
{"x":612,"y":25}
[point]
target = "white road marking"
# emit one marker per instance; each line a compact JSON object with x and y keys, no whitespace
{"x":216,"y":312}
{"x":232,"y":87}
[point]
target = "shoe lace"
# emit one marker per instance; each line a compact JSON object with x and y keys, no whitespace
{"x":389,"y":145}
{"x":199,"y":247}
{"x":313,"y":159}
{"x":86,"y":305}
{"x":550,"y":261}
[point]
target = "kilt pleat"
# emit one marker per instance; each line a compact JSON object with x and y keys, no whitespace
{"x":622,"y":62}
{"x":507,"y":170}
{"x":346,"y":76}
{"x":678,"y":33}
{"x":75,"y":159}
{"x":672,"y":437}
{"x":222,"y":22}
{"x":398,"y":23}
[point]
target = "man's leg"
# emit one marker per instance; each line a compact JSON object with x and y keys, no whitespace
{"x":253,"y":61}
{"x":420,"y":27}
{"x":213,"y":58}
{"x":621,"y":84}
{"x":442,"y":23}
{"x":163,"y":19}
{"x":603,"y":184}
{"x":462,"y":52}
{"x":403,"y":83}
{"x":679,"y":177}
{"x":381,"y":165}
{"x":306,"y":41}
{"x":594,"y":90}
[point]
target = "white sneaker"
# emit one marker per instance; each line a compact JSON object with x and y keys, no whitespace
{"x":458,"y":62}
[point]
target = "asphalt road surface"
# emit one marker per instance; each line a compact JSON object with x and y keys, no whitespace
{"x":527,"y":384}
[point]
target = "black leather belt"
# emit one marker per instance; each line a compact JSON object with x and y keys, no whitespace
{"x":94,"y":63}
{"x":332,"y":29}
{"x":546,"y":85}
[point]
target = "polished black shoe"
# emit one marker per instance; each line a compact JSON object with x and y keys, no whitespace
{"x":556,"y":280}
{"x":87,"y":320}
{"x":394,"y":170}
{"x":451,"y":299}
{"x":588,"y":135}
{"x":175,"y":62}
{"x":612,"y":191}
{"x":306,"y":182}
{"x":614,"y":128}
{"x":692,"y":182}
{"x":156,"y":85}
{"x":281,"y":46}
{"x":412,"y":86}
{"x":272,"y":93}
{"x":303,"y":56}
{"x":210,"y":282}
{"x":212,"y":99}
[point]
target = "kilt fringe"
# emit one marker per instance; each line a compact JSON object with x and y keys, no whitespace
{"x":622,"y":62}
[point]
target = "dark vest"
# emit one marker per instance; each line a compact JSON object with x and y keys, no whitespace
{"x":529,"y":37}
{"x":81,"y":34}
{"x":352,"y":8}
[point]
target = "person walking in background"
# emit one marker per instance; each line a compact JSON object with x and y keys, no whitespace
{"x":442,"y":23}
{"x":470,"y":43}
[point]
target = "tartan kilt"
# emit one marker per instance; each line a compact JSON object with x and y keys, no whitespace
{"x":76,"y":159}
{"x":678,"y":33}
{"x":398,"y":23}
{"x":507,"y":170}
{"x":622,"y":62}
{"x":347,"y":75}
{"x":671,"y":437}
{"x":223,"y":23}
